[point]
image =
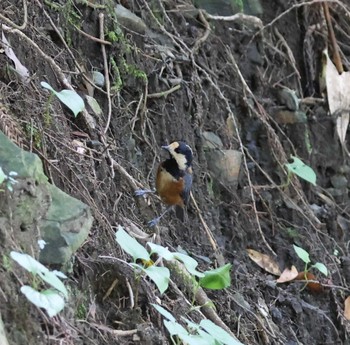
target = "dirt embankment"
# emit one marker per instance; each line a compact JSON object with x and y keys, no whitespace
{"x":179,"y":76}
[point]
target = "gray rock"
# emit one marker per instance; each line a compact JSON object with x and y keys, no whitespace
{"x":37,"y":210}
{"x":211,"y":141}
{"x":289,"y":98}
{"x":219,"y":7}
{"x":224,"y":165}
{"x":344,"y":169}
{"x":253,"y":7}
{"x":130,"y":20}
{"x":339,"y":181}
{"x":98,"y":78}
{"x":64,"y":228}
{"x":336,"y":192}
{"x":229,"y":7}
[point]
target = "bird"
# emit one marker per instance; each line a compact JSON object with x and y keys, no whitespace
{"x":174,"y":179}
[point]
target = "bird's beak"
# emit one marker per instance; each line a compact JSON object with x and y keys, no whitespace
{"x":166,"y":147}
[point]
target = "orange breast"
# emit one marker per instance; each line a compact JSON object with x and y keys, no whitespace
{"x":169,"y":189}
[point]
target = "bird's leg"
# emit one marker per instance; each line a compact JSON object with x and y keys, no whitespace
{"x":155,"y":221}
{"x":141,"y":192}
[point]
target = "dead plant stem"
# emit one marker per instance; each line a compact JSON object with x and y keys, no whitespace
{"x":105,"y":66}
{"x":25,"y":18}
{"x":336,"y":55}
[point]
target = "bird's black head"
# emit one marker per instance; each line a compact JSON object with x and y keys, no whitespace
{"x":181,"y":152}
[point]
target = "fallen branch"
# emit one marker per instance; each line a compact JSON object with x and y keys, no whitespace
{"x":186,"y":283}
{"x":164,"y":93}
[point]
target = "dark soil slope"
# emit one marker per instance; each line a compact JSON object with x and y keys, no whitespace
{"x":255,"y":85}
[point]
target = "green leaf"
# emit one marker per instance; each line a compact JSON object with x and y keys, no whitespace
{"x":202,"y":339}
{"x":208,"y":338}
{"x":218,"y":333}
{"x":35,"y":267}
{"x":302,"y":253}
{"x":52,"y":279}
{"x":130,"y":245}
{"x":68,"y":97}
{"x":95,"y":107}
{"x":217,"y":279}
{"x":29,"y":263}
{"x":164,"y":312}
{"x":298,"y":167}
{"x":321,"y":267}
{"x":191,"y":324}
{"x":2,"y":176}
{"x":160,"y":276}
{"x":59,"y":274}
{"x":49,"y":299}
{"x":161,"y":251}
{"x":189,"y":263}
{"x":175,"y":328}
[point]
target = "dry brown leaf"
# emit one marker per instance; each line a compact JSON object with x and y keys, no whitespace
{"x":80,"y":134}
{"x":338,"y":93}
{"x":288,"y":275}
{"x":347,"y":308}
{"x":326,"y":199}
{"x":314,"y":287}
{"x":342,"y":124}
{"x":79,"y":146}
{"x":343,"y":225}
{"x":21,"y":70}
{"x":264,"y":261}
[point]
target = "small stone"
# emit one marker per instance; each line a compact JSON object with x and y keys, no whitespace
{"x":336,"y":192}
{"x":339,"y":181}
{"x":276,"y":314}
{"x":98,"y":78}
{"x":344,"y":169}
{"x":219,"y":7}
{"x":289,"y":98}
{"x":224,"y":165}
{"x":130,"y":20}
{"x":211,"y":141}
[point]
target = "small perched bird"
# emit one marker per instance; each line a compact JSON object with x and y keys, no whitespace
{"x":174,"y":179}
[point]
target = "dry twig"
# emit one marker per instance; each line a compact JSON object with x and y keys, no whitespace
{"x":25,"y":18}
{"x":205,"y":226}
{"x":336,"y":55}
{"x":105,"y":65}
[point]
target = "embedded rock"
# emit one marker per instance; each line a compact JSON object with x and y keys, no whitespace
{"x":224,"y":166}
{"x":32,"y":209}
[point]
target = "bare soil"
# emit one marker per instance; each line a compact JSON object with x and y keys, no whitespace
{"x":234,"y":71}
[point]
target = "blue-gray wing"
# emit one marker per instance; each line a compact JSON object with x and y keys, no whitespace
{"x":187,"y":187}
